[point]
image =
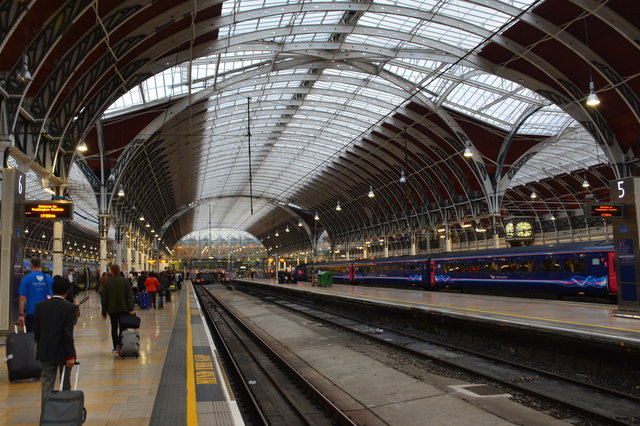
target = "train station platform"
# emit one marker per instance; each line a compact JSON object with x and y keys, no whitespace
{"x":591,"y":321}
{"x":176,"y":380}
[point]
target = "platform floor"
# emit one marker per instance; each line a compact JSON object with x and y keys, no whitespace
{"x":124,"y":391}
{"x":572,"y":317}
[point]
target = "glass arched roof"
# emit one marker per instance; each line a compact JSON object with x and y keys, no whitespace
{"x":321,"y":74}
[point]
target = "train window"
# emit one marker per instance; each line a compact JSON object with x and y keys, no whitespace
{"x":491,"y":267}
{"x":461,"y":267}
{"x":574,"y":265}
{"x":550,"y":265}
{"x":526,"y":267}
{"x":508,"y":267}
{"x":595,"y":261}
{"x":448,"y":267}
{"x":475,"y":267}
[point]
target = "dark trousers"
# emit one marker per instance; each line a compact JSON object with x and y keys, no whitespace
{"x":115,"y":325}
{"x":48,"y":378}
{"x":29,"y":322}
{"x":152,"y":298}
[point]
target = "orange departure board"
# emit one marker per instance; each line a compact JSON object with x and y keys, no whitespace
{"x":605,"y":210}
{"x":48,"y":210}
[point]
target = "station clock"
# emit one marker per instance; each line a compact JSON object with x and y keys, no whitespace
{"x":523,"y":229}
{"x":518,"y":230}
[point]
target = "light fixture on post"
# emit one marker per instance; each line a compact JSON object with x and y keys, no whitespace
{"x":403,"y":178}
{"x":24,"y":75}
{"x":82,"y":147}
{"x":371,"y":194}
{"x":593,"y":99}
{"x":338,"y":208}
{"x":467,"y":150}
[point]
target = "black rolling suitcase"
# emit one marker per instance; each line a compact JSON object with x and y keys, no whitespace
{"x":21,"y":356}
{"x":64,"y":407}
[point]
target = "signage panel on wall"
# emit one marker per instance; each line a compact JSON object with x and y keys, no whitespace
{"x":604,"y":210}
{"x":48,"y":210}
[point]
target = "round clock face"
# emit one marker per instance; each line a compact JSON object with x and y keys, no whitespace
{"x":508,"y":230}
{"x":524,"y":230}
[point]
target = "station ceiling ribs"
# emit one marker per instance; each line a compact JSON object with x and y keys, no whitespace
{"x":335,"y":92}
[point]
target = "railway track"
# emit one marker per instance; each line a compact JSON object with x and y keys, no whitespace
{"x":268,"y":389}
{"x":608,"y":406}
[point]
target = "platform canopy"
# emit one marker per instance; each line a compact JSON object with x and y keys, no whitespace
{"x":260,"y":115}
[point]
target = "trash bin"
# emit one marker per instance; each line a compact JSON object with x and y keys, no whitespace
{"x":325,"y":279}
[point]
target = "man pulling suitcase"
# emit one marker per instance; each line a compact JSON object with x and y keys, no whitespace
{"x":54,"y":322}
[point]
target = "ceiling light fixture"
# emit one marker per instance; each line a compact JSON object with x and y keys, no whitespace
{"x":585,"y":182}
{"x":403,"y":179}
{"x":338,"y":208}
{"x":82,"y":146}
{"x":593,"y":99}
{"x":316,"y":217}
{"x":371,"y":194}
{"x":300,"y":223}
{"x":121,"y":192}
{"x":141,"y":218}
{"x":534,"y":195}
{"x":24,"y":76}
{"x":467,"y":152}
{"x":287,"y":229}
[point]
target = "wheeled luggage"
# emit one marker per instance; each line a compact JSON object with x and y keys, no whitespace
{"x":129,"y":343}
{"x":64,"y":407}
{"x":143,"y":300}
{"x":167,"y":295}
{"x":160,"y":301}
{"x":21,"y":356}
{"x":129,"y":321}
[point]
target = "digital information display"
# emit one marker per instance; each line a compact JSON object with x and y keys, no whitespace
{"x":604,"y":210}
{"x":48,"y":210}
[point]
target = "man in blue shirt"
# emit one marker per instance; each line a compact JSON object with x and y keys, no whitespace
{"x":35,"y":287}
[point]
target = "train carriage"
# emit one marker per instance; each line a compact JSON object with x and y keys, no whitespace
{"x":565,"y":269}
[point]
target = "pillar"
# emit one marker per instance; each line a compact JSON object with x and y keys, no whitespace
{"x":386,"y":246}
{"x":413,"y":243}
{"x":365,"y":251}
{"x":346,"y":248}
{"x":447,"y":239}
{"x":128,"y":255}
{"x":103,"y":228}
{"x":57,"y":247}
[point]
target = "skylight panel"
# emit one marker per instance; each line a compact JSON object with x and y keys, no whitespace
{"x":449,"y":35}
{"x":484,"y":17}
{"x":508,"y":109}
{"x":131,"y":98}
{"x":373,"y":41}
{"x":470,"y":96}
{"x":388,"y":21}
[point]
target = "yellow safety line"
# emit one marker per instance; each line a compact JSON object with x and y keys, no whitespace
{"x":192,"y":411}
{"x":479,"y":310}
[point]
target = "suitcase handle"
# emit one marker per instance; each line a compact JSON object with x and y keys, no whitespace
{"x":64,"y":367}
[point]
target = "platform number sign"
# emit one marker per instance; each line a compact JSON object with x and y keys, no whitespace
{"x":621,"y":191}
{"x":20,"y":184}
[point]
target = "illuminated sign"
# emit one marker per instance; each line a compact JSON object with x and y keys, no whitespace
{"x":604,"y":210}
{"x":163,"y":261}
{"x":48,"y":210}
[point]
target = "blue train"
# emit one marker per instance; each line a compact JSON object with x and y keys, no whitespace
{"x":580,"y":269}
